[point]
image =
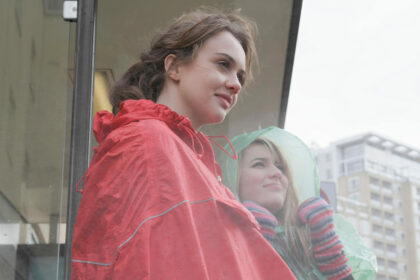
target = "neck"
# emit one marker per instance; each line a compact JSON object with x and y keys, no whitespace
{"x":169,"y":98}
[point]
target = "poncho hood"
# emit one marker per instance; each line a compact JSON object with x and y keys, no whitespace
{"x":136,"y":110}
{"x":298,"y":156}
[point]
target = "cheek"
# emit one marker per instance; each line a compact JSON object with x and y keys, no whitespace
{"x":235,"y":100}
{"x":249,"y":185}
{"x":285,"y":182}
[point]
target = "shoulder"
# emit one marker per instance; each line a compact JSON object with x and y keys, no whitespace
{"x":144,"y":132}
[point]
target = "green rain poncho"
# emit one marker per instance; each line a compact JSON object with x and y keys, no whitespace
{"x":304,"y":174}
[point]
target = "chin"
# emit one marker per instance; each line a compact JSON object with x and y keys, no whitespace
{"x":274,"y":207}
{"x":216,"y":118}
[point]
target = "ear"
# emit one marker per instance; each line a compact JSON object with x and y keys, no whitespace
{"x":172,"y":67}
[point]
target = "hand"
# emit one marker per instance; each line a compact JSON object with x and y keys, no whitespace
{"x":315,"y":212}
{"x":265,"y":219}
{"x":327,"y":247}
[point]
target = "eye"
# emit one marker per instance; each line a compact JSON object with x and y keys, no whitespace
{"x":223,"y":63}
{"x":258,"y":164}
{"x":281,"y":167}
{"x":241,"y":78}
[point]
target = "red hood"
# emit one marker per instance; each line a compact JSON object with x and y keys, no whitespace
{"x":136,"y":110}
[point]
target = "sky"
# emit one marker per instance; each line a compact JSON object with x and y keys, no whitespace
{"x":356,"y":70}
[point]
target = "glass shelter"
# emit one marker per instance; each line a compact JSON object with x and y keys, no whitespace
{"x":56,"y":73}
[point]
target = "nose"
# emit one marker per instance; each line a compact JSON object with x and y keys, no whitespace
{"x":233,"y":84}
{"x":275,"y":172}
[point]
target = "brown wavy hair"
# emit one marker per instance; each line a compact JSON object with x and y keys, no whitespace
{"x":146,"y":78}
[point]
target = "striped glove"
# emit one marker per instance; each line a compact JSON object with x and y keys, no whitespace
{"x":264,"y":217}
{"x":327,"y":247}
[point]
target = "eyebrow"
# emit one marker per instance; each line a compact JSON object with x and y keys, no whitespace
{"x":232,"y":60}
{"x":260,"y":158}
{"x":266,"y":159}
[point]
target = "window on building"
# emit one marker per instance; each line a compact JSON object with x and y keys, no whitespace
{"x":402,"y":235}
{"x":401,"y":220}
{"x":380,"y":277}
{"x":374,"y":181}
{"x":377,"y":228}
{"x":353,"y":184}
{"x":387,"y":185}
{"x":355,"y":196}
{"x":392,"y":264}
{"x":353,"y":151}
{"x":390,"y":232}
{"x":327,"y":157}
{"x":389,"y":216}
{"x":388,"y":200}
{"x":376,"y":213}
{"x":418,"y":191}
{"x":329,"y":174}
{"x":378,"y":245}
{"x":400,"y":204}
{"x":381,"y":261}
{"x":391,"y":248}
{"x":403,"y":252}
{"x":355,"y":166}
{"x":375,"y":196}
{"x":418,"y":206}
{"x":342,"y":169}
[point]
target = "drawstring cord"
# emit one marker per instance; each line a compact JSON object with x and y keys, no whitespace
{"x":190,"y":131}
{"x":234,"y":156}
{"x":78,"y":183}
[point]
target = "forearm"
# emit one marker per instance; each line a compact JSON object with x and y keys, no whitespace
{"x":326,"y":245}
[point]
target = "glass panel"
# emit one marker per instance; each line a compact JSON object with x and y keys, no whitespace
{"x":355,"y":92}
{"x":34,"y":126}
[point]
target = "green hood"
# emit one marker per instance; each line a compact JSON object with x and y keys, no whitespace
{"x":306,"y":180}
{"x":298,"y":156}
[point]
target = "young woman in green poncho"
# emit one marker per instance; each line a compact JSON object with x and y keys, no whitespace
{"x":277,"y":181}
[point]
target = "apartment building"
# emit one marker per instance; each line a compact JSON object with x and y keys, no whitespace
{"x":377,"y":184}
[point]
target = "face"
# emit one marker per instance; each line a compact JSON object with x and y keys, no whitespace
{"x":262,"y":179}
{"x":208,"y":87}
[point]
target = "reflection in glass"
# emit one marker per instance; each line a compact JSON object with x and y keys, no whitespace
{"x":33,"y":100}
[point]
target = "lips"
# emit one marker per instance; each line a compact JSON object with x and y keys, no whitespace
{"x":226,"y":100}
{"x":273,"y":186}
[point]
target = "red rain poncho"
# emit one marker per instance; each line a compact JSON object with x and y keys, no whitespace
{"x":153,"y":207}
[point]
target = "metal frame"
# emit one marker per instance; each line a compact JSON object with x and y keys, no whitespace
{"x":290,"y":57}
{"x":81,"y":114}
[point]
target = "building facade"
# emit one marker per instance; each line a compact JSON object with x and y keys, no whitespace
{"x":378,"y":189}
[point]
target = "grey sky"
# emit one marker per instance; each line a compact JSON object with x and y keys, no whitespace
{"x":357,"y":69}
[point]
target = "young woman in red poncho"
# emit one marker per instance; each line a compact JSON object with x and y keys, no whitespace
{"x":153,"y":204}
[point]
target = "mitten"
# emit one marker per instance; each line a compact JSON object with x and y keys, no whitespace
{"x":264,"y":217}
{"x":326,"y":245}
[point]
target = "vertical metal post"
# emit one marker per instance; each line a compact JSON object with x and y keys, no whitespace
{"x":81,"y":114}
{"x":290,"y":57}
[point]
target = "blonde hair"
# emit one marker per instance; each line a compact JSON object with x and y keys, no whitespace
{"x":297,"y":236}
